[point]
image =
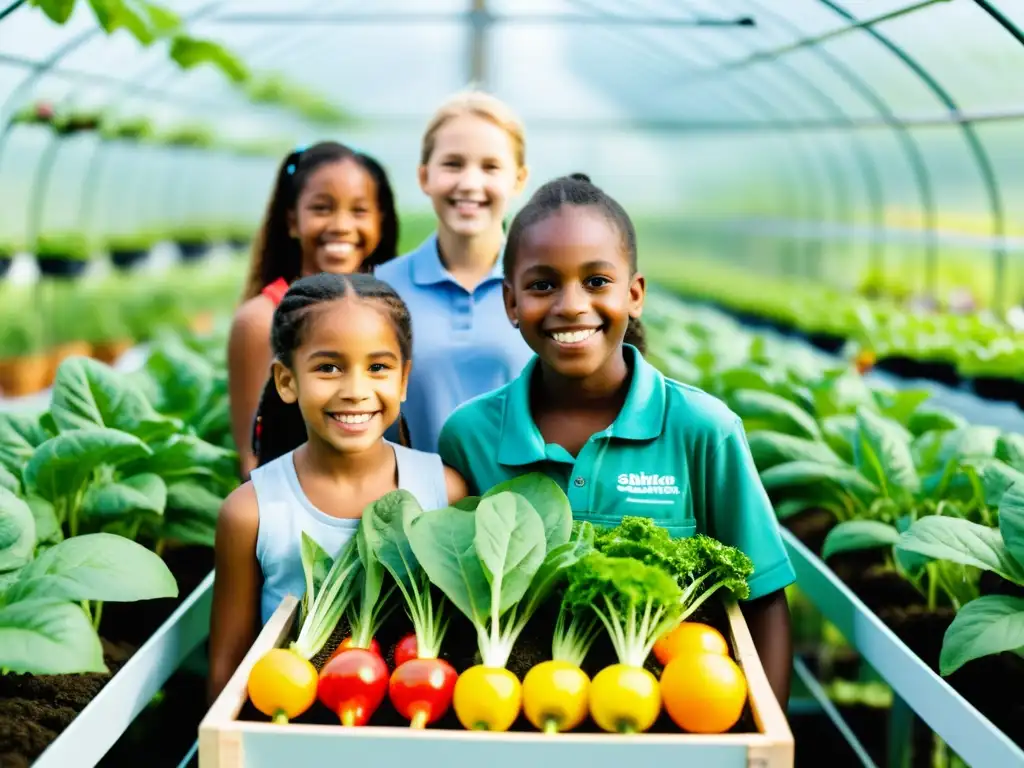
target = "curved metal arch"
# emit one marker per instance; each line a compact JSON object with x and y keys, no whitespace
{"x":766,"y":107}
{"x":100,"y":154}
{"x":908,"y":143}
{"x":975,"y":145}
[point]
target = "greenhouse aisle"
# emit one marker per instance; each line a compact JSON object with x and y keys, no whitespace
{"x":826,"y":201}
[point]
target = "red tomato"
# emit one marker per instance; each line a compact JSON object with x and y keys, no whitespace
{"x":353,"y":684}
{"x":421,"y":690}
{"x":405,"y":650}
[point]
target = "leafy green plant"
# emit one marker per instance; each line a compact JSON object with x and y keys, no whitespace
{"x":988,"y":624}
{"x":51,"y":596}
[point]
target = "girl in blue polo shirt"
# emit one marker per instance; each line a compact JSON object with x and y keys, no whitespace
{"x":591,"y":413}
{"x":472,"y":164}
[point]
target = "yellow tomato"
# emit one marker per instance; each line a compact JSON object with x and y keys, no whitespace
{"x":487,"y":698}
{"x":704,"y":692}
{"x":624,"y":699}
{"x":282,"y":685}
{"x":555,"y":696}
{"x":688,"y":638}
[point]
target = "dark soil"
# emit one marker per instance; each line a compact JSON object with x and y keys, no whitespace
{"x":811,"y":527}
{"x":35,"y":709}
{"x":533,"y":647}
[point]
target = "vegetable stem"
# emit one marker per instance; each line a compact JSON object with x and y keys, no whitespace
{"x":419,"y":720}
{"x":551,"y":724}
{"x":281,"y":718}
{"x":97,"y":615}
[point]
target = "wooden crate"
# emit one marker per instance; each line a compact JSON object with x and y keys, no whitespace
{"x":226,"y":742}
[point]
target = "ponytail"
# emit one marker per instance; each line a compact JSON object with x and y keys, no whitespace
{"x":278,"y":428}
{"x":636,"y":335}
{"x":403,"y":431}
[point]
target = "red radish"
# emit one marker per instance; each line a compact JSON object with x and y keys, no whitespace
{"x":407,"y":649}
{"x":353,"y":684}
{"x":421,"y":690}
{"x":348,"y":644}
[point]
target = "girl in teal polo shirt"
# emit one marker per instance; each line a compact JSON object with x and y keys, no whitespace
{"x":590,"y":412}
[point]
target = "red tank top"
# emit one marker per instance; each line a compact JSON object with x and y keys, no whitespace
{"x":276,"y":290}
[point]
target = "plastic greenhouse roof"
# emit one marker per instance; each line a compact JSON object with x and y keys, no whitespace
{"x":902,"y":111}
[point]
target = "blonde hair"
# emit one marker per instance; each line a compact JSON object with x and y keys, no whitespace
{"x":480,"y":104}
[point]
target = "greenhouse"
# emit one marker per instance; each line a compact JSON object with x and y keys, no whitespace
{"x":275,"y":277}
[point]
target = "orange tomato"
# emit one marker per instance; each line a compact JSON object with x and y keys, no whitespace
{"x":688,"y":638}
{"x":703,"y":692}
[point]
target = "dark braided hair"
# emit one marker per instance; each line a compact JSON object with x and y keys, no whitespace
{"x":279,"y":427}
{"x":276,"y":253}
{"x":577,"y":189}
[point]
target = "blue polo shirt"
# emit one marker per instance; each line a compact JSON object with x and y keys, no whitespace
{"x":463,"y":343}
{"x":675,"y":454}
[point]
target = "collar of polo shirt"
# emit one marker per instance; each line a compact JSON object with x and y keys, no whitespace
{"x":427,"y":268}
{"x":641,"y":417}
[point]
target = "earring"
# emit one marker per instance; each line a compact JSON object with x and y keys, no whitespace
{"x":515,"y":323}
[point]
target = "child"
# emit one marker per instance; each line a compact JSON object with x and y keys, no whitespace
{"x":332,"y":210}
{"x":472,"y":164}
{"x":342,"y":349}
{"x":591,"y":413}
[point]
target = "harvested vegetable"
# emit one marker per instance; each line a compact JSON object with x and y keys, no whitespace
{"x":487,"y":698}
{"x":624,"y":699}
{"x":556,"y":693}
{"x":498,"y":565}
{"x":556,"y":696}
{"x":421,"y":690}
{"x":349,"y":643}
{"x":282,"y":685}
{"x":406,"y":649}
{"x":689,"y":638}
{"x":371,"y":605}
{"x":278,"y":683}
{"x":353,"y":684}
{"x":636,"y":603}
{"x":704,"y":692}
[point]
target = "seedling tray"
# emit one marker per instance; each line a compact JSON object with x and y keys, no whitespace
{"x":225,"y":741}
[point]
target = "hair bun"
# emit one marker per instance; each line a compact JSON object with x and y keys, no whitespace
{"x":580,"y":177}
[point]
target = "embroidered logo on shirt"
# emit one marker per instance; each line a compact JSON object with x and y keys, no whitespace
{"x":642,"y":484}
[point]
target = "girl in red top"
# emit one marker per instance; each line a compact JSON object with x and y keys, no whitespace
{"x":332,"y":210}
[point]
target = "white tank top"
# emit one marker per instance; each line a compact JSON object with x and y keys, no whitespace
{"x":285,"y":512}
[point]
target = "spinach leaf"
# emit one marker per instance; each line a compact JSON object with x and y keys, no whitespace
{"x":62,"y":465}
{"x":48,"y":637}
{"x":17,"y":532}
{"x":94,"y":566}
{"x":988,"y":625}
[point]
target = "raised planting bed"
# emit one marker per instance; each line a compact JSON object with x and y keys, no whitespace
{"x":970,"y":710}
{"x":53,"y":721}
{"x":913,"y":368}
{"x":107,"y":716}
{"x":233,"y":734}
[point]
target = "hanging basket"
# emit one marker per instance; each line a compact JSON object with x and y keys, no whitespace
{"x":61,"y":267}
{"x":127,"y":258}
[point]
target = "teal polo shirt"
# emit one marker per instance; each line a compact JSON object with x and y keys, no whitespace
{"x":674,"y":453}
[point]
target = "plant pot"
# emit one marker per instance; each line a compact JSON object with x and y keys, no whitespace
{"x":826,"y":342}
{"x":62,"y":352}
{"x":58,"y":266}
{"x":109,"y":351}
{"x":913,"y":368}
{"x":126,"y":259}
{"x":193,"y":250}
{"x":21,"y":376}
{"x":1001,"y":388}
{"x":202,"y":323}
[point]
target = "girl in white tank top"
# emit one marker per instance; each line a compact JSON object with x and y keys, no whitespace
{"x":342,"y":346}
